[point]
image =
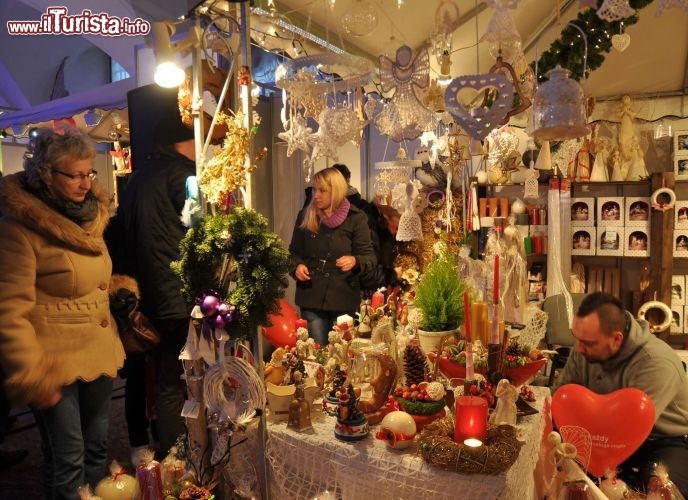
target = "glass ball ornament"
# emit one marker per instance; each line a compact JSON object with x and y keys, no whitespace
{"x":559,"y":108}
{"x":209,"y":305}
{"x":361,"y":19}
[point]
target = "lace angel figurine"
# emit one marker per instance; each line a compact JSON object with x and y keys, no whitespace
{"x":407,"y":118}
{"x":407,"y":200}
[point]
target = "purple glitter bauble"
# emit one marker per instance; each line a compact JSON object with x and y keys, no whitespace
{"x":209,"y":305}
{"x":219,"y":322}
{"x":228,"y":317}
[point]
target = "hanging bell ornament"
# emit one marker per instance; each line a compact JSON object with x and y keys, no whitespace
{"x":559,"y":109}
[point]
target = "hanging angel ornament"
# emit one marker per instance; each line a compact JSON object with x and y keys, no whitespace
{"x":408,"y":117}
{"x":615,"y":10}
{"x":406,"y":199}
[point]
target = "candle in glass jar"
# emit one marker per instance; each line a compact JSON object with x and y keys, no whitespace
{"x":470,"y":422}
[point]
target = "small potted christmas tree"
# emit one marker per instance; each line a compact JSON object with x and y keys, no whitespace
{"x":439,"y":299}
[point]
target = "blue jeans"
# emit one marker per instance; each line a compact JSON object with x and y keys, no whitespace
{"x":320,"y":323}
{"x":74,"y":436}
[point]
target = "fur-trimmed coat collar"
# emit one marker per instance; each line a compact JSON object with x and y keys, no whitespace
{"x":19,"y":204}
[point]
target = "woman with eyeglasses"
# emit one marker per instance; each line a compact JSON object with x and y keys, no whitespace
{"x":59,"y":347}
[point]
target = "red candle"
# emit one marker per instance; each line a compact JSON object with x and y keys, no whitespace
{"x":378,"y":300}
{"x":301,"y":323}
{"x":466,"y":317}
{"x":470,"y":422}
{"x":495,"y":288}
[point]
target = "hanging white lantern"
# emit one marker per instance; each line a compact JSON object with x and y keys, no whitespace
{"x":559,"y":110}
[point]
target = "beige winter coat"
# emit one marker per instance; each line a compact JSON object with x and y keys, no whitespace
{"x":55,"y":322}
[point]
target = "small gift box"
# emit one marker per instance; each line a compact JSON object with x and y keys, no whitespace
{"x":676,"y":319}
{"x":637,"y":242}
{"x":583,"y":240}
{"x":582,"y":211}
{"x":610,"y":240}
{"x":678,"y":290}
{"x":610,"y":211}
{"x":681,"y":213}
{"x":637,"y":211}
{"x":681,"y":243}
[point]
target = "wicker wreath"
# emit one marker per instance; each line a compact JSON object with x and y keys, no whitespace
{"x":438,"y":449}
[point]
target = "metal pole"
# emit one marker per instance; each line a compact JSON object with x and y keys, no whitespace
{"x":257,"y":345}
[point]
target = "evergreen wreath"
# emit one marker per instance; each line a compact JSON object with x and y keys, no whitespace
{"x":236,"y":255}
{"x":569,"y":49}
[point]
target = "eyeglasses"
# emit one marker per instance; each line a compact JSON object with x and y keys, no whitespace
{"x":91,"y":176}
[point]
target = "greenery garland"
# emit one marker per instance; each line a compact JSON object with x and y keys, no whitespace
{"x":568,"y":51}
{"x":236,"y":255}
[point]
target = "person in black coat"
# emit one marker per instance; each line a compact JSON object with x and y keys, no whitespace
{"x":330,"y":247}
{"x":384,"y":273}
{"x":149,"y":214}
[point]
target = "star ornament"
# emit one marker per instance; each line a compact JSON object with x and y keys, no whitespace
{"x":297,"y":135}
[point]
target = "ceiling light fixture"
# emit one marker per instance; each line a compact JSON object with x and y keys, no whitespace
{"x":168,"y":73}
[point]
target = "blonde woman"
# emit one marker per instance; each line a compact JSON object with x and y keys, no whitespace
{"x":330,"y":247}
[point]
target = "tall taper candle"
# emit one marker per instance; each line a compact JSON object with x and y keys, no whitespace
{"x":495,"y":287}
{"x":466,"y":317}
{"x":469,"y":362}
{"x":495,"y":334}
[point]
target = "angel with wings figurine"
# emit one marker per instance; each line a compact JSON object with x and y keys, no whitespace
{"x":400,"y":76}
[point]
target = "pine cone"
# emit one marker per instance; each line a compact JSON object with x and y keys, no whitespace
{"x":513,"y":349}
{"x":415,"y":365}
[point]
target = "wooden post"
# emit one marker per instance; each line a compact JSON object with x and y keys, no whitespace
{"x":661,"y":245}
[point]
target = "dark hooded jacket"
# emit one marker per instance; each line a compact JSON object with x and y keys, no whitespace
{"x":148,"y":230}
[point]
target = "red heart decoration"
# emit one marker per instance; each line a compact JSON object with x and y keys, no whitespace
{"x":617,"y":423}
{"x":283,"y":329}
